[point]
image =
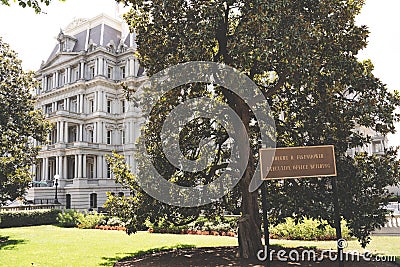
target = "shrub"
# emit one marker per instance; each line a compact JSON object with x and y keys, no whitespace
{"x":28,"y":218}
{"x":69,"y":218}
{"x":90,"y":220}
{"x":308,"y":229}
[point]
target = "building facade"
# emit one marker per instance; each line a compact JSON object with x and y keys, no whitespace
{"x":82,"y":96}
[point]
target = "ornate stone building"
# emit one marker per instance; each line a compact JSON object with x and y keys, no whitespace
{"x":82,"y":97}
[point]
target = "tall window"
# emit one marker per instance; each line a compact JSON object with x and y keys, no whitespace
{"x":122,"y":137}
{"x":91,"y":72}
{"x":61,"y":79}
{"x":91,"y":106}
{"x":110,"y":72}
{"x":93,"y":200}
{"x":75,"y":74}
{"x":67,"y":201}
{"x":123,"y":73}
{"x":109,"y":137}
{"x":90,"y":168}
{"x":108,"y":171}
{"x":90,"y":136}
{"x":109,"y":103}
{"x":122,"y":106}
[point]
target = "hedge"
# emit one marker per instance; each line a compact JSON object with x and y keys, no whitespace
{"x":28,"y":218}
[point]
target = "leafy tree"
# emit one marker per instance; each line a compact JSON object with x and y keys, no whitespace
{"x":20,"y":124}
{"x":35,"y":4}
{"x":302,"y":55}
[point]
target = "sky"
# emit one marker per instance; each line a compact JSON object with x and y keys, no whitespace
{"x":33,"y":36}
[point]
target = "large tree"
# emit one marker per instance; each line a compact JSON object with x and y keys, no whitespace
{"x":20,"y":124}
{"x":302,"y":55}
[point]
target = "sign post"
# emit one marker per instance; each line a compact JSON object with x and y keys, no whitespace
{"x":299,"y":162}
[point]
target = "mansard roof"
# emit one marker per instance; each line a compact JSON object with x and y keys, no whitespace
{"x":84,"y":34}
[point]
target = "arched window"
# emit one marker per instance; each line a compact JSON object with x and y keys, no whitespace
{"x":93,"y":200}
{"x":67,"y":201}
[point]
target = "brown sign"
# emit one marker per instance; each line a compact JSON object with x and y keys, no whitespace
{"x":297,"y":162}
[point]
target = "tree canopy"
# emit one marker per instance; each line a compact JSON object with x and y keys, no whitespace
{"x":20,"y":124}
{"x":303,"y":56}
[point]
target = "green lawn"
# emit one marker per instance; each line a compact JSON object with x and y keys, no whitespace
{"x":52,"y":246}
{"x":380,"y":245}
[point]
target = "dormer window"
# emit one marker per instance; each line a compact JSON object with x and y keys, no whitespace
{"x":66,"y":42}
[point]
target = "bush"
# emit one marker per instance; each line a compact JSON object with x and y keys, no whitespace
{"x":308,"y":229}
{"x":69,"y":218}
{"x":115,"y":221}
{"x":90,"y":220}
{"x":28,"y":218}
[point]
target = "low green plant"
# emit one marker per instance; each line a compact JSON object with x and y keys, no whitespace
{"x":115,"y":221}
{"x":90,"y":220}
{"x":307,"y":229}
{"x":69,"y":218}
{"x":28,"y":218}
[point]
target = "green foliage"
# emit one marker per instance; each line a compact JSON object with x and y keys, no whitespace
{"x":20,"y":124}
{"x":90,"y":220}
{"x":219,"y":224}
{"x":115,"y":221}
{"x":74,"y":218}
{"x":34,"y":4}
{"x":28,"y":218}
{"x":307,"y":229}
{"x":303,"y":56}
{"x":69,"y":218}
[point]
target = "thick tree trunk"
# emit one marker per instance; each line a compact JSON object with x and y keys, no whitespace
{"x":250,"y":222}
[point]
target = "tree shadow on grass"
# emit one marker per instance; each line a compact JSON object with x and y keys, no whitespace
{"x":113,"y":260}
{"x":8,"y":244}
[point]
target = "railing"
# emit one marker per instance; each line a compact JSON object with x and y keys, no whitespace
{"x":391,"y":227}
{"x":31,"y":207}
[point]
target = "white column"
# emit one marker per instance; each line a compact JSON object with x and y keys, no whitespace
{"x":65,"y":167}
{"x":42,"y":174}
{"x":132,"y":67}
{"x":57,"y":165}
{"x":132,"y":134}
{"x":104,"y":163}
{"x":82,"y":70}
{"x":61,"y":140}
{"x":67,"y":105}
{"x":96,"y":67}
{"x":100,"y":131}
{"x":84,"y":167}
{"x":80,"y":166}
{"x":60,"y":167}
{"x":81,"y":99}
{"x":57,"y":137}
{"x":46,"y":169}
{"x":76,"y":166}
{"x":56,"y":79}
{"x":99,"y":165}
{"x":95,"y":101}
{"x":68,"y":75}
{"x":101,"y":100}
{"x":66,"y":132}
{"x":80,"y":135}
{"x":95,"y":132}
{"x":100,"y":70}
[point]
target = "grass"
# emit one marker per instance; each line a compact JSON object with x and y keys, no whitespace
{"x":379,"y":245}
{"x":52,"y":246}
